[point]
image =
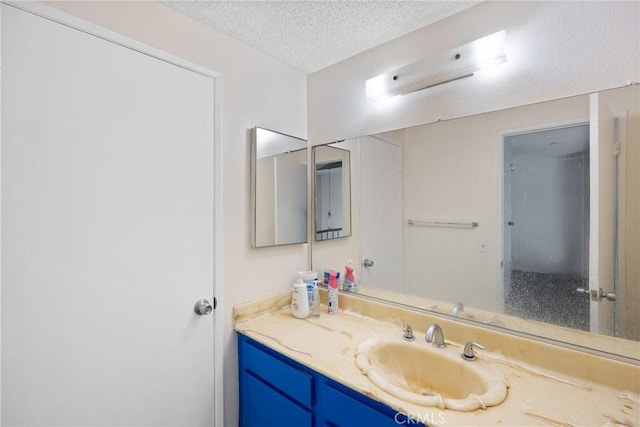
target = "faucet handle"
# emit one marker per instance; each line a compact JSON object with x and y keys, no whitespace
{"x":408,"y":332}
{"x":468,"y":353}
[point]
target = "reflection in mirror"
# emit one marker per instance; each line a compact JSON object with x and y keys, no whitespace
{"x":546,"y":232}
{"x":332,"y":192}
{"x":553,"y":189}
{"x":278,"y":188}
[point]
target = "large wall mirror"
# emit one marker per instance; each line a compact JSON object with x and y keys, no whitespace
{"x":526,"y":219}
{"x":278,"y":189}
{"x":332,"y":192}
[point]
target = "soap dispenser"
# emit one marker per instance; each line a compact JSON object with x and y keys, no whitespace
{"x":300,"y":300}
{"x":332,"y":297}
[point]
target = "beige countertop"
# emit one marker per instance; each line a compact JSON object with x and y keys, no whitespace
{"x":596,"y":391}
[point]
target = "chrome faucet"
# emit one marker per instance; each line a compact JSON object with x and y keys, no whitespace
{"x":457,"y":308}
{"x":468,"y":353}
{"x":408,"y":333}
{"x":434,"y":335}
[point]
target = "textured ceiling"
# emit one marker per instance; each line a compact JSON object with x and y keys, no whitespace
{"x":311,"y":35}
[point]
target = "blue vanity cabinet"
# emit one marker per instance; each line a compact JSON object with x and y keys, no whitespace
{"x":277,"y":391}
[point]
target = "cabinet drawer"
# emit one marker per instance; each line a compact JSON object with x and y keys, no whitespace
{"x":265,"y":407}
{"x":294,"y":383}
{"x":342,"y":410}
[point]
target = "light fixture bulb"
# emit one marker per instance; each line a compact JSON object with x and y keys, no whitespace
{"x":376,"y":88}
{"x":489,"y":50}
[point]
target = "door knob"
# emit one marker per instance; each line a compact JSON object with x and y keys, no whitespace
{"x":608,"y":295}
{"x":597,"y":295}
{"x":367,"y":263}
{"x":203,"y":308}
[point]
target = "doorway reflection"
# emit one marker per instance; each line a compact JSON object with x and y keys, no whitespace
{"x":546,"y":229}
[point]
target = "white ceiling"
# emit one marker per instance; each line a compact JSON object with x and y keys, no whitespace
{"x":311,"y":35}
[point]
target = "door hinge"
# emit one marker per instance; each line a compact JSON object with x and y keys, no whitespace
{"x":617,"y":149}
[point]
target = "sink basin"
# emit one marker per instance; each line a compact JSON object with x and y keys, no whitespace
{"x":419,"y":373}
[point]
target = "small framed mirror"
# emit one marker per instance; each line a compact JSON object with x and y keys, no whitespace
{"x":332,"y":190}
{"x":278,"y":189}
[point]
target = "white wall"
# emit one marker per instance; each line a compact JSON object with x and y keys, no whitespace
{"x":552,"y":194}
{"x":257,"y":91}
{"x":550,"y":201}
{"x":554,"y":49}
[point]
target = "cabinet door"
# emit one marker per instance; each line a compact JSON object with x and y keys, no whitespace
{"x":264,"y":406}
{"x":341,"y":408}
{"x":277,"y":391}
{"x":277,"y":371}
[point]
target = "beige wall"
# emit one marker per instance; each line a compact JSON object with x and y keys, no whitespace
{"x":257,"y":91}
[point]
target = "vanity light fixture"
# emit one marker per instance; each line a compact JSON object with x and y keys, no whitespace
{"x":444,"y":67}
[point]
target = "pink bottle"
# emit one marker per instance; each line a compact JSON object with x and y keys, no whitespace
{"x":350,"y":284}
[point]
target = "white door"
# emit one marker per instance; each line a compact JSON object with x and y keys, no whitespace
{"x":107,"y":232}
{"x":603,"y":213}
{"x":380,"y":221}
